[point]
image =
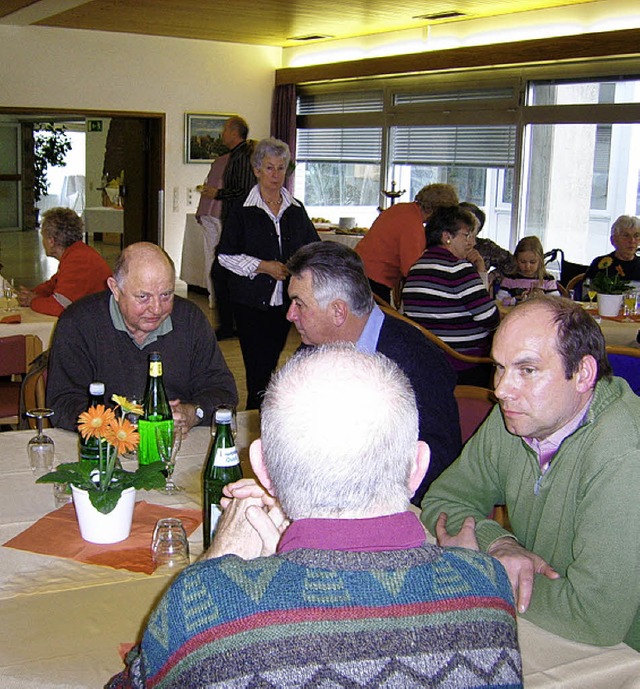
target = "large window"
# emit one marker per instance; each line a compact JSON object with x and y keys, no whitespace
{"x":559,"y":158}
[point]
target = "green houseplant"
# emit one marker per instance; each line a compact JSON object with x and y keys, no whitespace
{"x":50,"y":146}
{"x":106,"y":482}
{"x":604,"y":283}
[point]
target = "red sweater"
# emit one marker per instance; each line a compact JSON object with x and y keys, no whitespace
{"x":81,"y":271}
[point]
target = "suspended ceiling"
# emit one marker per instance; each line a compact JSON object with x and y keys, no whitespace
{"x":262,"y":22}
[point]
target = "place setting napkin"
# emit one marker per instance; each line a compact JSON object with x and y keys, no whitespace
{"x":57,"y":534}
{"x":11,"y":318}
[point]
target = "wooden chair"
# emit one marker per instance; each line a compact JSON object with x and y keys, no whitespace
{"x":387,"y":308}
{"x":474,"y":405}
{"x":16,"y":354}
{"x":32,"y":392}
{"x":625,"y":362}
{"x":576,"y":280}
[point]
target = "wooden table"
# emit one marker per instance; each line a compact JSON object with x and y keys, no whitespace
{"x":61,"y":621}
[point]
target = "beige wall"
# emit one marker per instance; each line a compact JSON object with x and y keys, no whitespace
{"x":61,"y":68}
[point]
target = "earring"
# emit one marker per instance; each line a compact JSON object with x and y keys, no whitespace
{"x":448,"y":241}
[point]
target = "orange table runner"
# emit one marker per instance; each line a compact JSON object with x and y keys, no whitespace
{"x":57,"y":534}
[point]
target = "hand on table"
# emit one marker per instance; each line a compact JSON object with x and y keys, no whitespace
{"x":25,"y":296}
{"x":465,"y":538}
{"x":276,"y":269}
{"x":522,"y":566}
{"x":184,"y":416}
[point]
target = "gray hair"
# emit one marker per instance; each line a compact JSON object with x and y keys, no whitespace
{"x":147,"y":250}
{"x":434,"y":196}
{"x":62,"y":225}
{"x":339,"y":433}
{"x":270,"y":147}
{"x":625,"y":222}
{"x":337,"y":272}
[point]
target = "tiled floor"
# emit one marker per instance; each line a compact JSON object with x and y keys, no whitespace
{"x":23,"y":259}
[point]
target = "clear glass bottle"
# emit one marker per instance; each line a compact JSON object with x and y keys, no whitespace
{"x":89,"y":447}
{"x":157,"y":412}
{"x":222,"y":467}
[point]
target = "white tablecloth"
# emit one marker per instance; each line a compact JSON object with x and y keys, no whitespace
{"x":61,"y":621}
{"x":100,"y":219}
{"x":197,"y":254}
{"x":32,"y":323}
{"x":349,"y":240}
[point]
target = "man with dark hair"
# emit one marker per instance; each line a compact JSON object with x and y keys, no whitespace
{"x":107,"y":337}
{"x":81,"y":271}
{"x":343,"y":591}
{"x":331,"y":301}
{"x":562,"y":452}
{"x":237,"y":180}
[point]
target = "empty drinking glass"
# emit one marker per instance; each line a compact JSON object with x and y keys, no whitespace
{"x":41,"y":448}
{"x":168,"y":442}
{"x":169,"y":546}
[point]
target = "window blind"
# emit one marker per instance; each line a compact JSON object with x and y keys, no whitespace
{"x":340,"y":102}
{"x":357,"y":145}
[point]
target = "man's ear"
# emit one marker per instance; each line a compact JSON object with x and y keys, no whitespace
{"x":113,"y":286}
{"x":587,"y":374}
{"x":420,"y":465}
{"x":339,"y":312}
{"x":257,"y":464}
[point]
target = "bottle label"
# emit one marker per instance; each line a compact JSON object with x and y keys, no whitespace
{"x":215,"y":515}
{"x":226,"y":457}
{"x":155,"y":369}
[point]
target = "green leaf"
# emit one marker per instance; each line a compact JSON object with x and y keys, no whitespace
{"x":105,"y":501}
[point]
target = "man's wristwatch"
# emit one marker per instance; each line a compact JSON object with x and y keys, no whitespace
{"x":199,"y":412}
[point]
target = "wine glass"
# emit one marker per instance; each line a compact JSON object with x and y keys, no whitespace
{"x":168,"y":443}
{"x":591,"y":292}
{"x":629,"y":302}
{"x":41,"y":448}
{"x":7,"y":291}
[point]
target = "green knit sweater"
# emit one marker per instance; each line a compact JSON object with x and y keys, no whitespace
{"x":582,"y":516}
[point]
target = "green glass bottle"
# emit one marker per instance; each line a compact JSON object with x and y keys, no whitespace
{"x":89,"y":447}
{"x":157,"y":412}
{"x":222,"y":467}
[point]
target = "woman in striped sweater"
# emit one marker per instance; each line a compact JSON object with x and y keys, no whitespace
{"x":444,"y":291}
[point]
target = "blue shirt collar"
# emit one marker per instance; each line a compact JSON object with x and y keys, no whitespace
{"x":368,"y":340}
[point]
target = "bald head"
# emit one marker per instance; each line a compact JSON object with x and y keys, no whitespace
{"x":142,"y":285}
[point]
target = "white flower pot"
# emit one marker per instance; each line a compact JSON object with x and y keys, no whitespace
{"x":609,"y":304}
{"x":96,"y":527}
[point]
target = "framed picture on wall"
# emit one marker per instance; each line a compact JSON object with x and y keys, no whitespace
{"x":202,"y":137}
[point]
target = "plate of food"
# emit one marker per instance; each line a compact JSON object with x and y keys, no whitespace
{"x":358,"y":231}
{"x":323,"y":225}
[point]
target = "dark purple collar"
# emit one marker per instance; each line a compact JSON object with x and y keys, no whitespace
{"x":392,"y":532}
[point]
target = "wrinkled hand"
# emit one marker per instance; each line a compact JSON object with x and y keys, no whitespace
{"x":465,"y":538}
{"x":184,"y":416}
{"x":246,"y":529}
{"x":25,"y":296}
{"x":250,"y":488}
{"x":522,"y":566}
{"x":275,"y":269}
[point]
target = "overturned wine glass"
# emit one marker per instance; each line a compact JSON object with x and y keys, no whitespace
{"x":41,"y":448}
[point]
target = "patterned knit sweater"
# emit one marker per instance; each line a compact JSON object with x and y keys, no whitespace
{"x":420,"y":617}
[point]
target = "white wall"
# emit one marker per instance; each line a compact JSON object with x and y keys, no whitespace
{"x":89,"y":70}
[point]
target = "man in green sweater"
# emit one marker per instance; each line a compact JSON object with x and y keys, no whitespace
{"x":562,"y":452}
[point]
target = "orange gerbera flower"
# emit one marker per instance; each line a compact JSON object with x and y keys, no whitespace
{"x":94,"y":421}
{"x":620,"y":271}
{"x":121,"y":433}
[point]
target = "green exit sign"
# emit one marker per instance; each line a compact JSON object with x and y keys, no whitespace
{"x":94,"y":125}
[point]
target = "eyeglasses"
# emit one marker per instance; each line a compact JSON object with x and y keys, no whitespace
{"x":466,"y":235}
{"x":635,"y":237}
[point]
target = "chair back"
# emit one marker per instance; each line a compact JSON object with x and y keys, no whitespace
{"x":16,"y":353}
{"x":450,"y":351}
{"x":575,"y":284}
{"x":474,"y":405}
{"x":625,"y":362}
{"x":33,"y":389}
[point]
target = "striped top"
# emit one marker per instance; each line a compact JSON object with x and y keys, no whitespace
{"x":445,"y":295}
{"x":519,"y":287}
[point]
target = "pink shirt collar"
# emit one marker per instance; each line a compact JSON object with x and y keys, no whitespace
{"x":391,"y":532}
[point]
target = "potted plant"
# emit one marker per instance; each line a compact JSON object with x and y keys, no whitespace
{"x":104,"y":495}
{"x":50,"y":147}
{"x":610,"y":287}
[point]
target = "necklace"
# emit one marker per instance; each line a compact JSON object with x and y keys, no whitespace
{"x":274,"y":203}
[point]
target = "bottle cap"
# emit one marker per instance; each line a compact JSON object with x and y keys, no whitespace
{"x":223,"y":416}
{"x":154,"y":356}
{"x":96,"y":389}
